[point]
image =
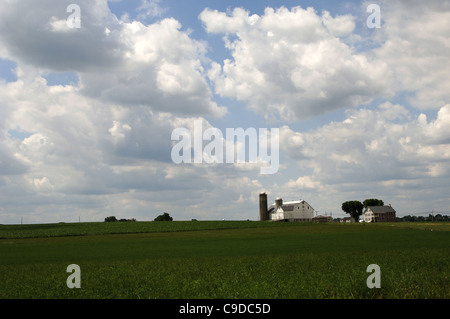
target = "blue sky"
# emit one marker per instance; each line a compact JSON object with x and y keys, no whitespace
{"x":86,"y":114}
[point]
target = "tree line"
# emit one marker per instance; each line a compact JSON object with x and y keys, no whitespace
{"x":429,"y":218}
{"x":111,"y":219}
{"x":163,"y":217}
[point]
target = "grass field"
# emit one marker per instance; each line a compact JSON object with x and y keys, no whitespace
{"x":225,"y":259}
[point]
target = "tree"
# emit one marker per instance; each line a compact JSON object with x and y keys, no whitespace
{"x":111,"y":219}
{"x":354,"y":208}
{"x":163,"y":217}
{"x":373,"y":202}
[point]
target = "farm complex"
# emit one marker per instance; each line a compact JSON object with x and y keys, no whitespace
{"x":302,"y":211}
{"x":293,"y":211}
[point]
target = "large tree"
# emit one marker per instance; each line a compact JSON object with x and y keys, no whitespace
{"x":163,"y":217}
{"x":373,"y":202}
{"x":354,"y":208}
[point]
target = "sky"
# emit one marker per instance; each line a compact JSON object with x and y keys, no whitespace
{"x":92,"y":91}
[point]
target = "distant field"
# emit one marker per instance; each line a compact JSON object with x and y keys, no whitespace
{"x":104,"y":228}
{"x":225,"y":259}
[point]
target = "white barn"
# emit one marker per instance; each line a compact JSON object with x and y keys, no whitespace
{"x":293,"y":211}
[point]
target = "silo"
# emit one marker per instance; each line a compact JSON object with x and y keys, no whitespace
{"x":263,"y":206}
{"x":278,"y":202}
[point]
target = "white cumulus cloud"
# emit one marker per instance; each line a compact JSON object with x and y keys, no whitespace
{"x":291,"y":64}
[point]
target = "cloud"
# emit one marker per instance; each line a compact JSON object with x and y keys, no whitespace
{"x":291,"y":64}
{"x":80,"y":156}
{"x":385,"y":150}
{"x":36,"y":38}
{"x":340,"y":25}
{"x":414,"y":41}
{"x":150,"y":8}
{"x":304,"y":182}
{"x":161,"y":69}
{"x":126,"y":63}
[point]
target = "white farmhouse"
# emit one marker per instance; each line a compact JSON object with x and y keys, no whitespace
{"x":377,"y":214}
{"x":293,"y":211}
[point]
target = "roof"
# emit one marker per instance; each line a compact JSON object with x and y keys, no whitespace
{"x":286,"y":206}
{"x":294,"y":202}
{"x":381,"y":209}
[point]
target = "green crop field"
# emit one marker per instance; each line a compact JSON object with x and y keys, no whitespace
{"x":225,"y":259}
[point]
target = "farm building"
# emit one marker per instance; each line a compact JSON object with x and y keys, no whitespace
{"x":322,"y":219}
{"x":379,"y":214}
{"x":292,"y":211}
